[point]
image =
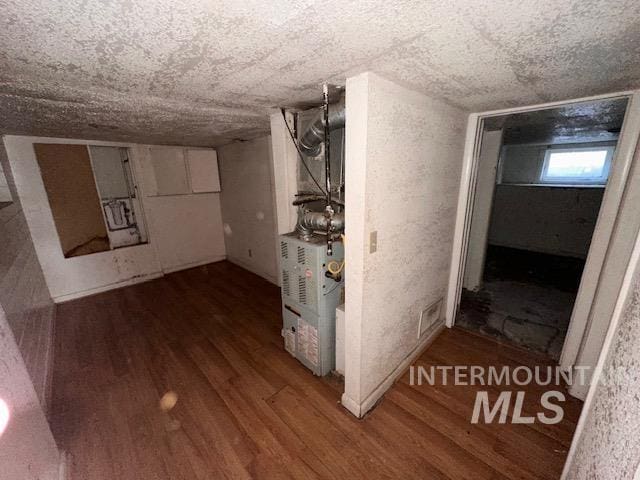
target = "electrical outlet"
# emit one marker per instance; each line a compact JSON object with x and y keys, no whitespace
{"x":429,"y":316}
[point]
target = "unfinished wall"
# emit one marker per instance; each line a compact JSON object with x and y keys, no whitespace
{"x":404,"y":155}
{"x":184,"y":230}
{"x":248,"y":209}
{"x":73,"y":198}
{"x":27,"y":448}
{"x":610,"y":446}
{"x":547,"y":219}
{"x":523,"y":163}
{"x":23,"y":293}
{"x":555,"y":220}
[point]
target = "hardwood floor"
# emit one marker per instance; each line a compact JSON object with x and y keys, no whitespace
{"x":247,"y":409}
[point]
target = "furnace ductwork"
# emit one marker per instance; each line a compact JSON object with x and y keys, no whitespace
{"x":313,"y":136}
{"x":310,"y":222}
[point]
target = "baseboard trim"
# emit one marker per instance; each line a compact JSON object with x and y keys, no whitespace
{"x":137,"y":279}
{"x":360,"y":409}
{"x":104,"y":288}
{"x":350,"y":404}
{"x":199,"y":263}
{"x":252,"y":269}
{"x":63,"y":467}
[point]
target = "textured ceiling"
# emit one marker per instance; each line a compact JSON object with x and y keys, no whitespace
{"x":207,"y":72}
{"x":579,"y":122}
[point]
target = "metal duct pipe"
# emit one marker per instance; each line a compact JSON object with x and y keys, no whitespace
{"x":309,"y":222}
{"x":313,"y":136}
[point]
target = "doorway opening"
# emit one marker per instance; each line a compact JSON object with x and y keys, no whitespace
{"x":540,"y":181}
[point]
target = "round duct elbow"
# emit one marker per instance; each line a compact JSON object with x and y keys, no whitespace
{"x":311,"y":139}
{"x":311,"y":222}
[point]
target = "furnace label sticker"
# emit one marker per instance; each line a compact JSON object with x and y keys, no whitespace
{"x":290,"y":342}
{"x":308,"y":341}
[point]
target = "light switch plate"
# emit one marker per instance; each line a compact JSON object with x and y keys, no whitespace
{"x":373,"y":241}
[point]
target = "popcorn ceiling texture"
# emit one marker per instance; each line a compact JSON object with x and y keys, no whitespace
{"x":198,"y":72}
{"x":610,"y":445}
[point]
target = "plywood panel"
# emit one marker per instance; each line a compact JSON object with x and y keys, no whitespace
{"x":73,"y":197}
{"x":203,"y":169}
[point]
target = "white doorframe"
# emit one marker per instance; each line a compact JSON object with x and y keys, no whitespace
{"x":625,"y":291}
{"x":604,"y":225}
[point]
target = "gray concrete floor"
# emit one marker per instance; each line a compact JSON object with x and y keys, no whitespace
{"x":529,"y":315}
{"x":526,"y":298}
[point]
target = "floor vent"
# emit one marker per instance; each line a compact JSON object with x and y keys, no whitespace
{"x":429,"y":317}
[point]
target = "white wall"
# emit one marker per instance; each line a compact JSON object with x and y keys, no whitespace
{"x":403,"y":160}
{"x":482,"y":203}
{"x":285,"y":172}
{"x":27,"y":448}
{"x":248,"y":208}
{"x":184,"y":230}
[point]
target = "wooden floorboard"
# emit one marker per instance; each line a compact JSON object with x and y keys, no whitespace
{"x":247,"y":409}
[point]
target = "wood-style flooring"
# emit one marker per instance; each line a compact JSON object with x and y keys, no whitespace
{"x":247,"y":409}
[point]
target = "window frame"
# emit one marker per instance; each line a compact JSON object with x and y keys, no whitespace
{"x":573,"y":181}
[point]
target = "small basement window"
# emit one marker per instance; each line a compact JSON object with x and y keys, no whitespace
{"x":577,"y":166}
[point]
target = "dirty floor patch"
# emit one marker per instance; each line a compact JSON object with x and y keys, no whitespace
{"x":526,"y":298}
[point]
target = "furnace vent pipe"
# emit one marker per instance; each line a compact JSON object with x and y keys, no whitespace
{"x":313,"y":136}
{"x":310,"y":222}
